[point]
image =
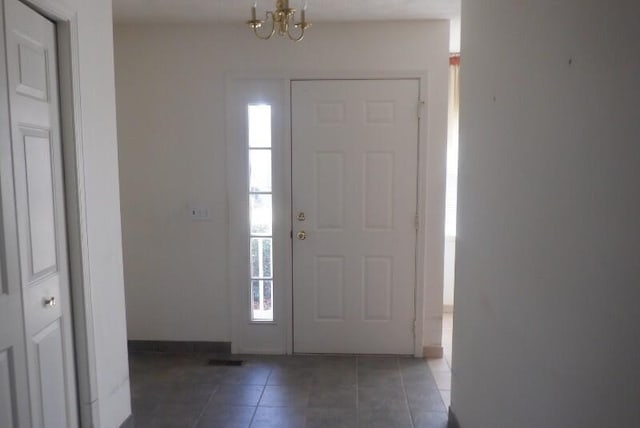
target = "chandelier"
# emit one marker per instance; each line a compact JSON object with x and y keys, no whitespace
{"x":282,"y":21}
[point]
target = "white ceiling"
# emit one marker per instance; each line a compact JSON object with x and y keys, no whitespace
{"x":188,"y":11}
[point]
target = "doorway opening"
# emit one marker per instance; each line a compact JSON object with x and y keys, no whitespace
{"x":442,"y":367}
{"x":291,"y":198}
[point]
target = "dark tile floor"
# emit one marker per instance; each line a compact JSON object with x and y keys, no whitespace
{"x":176,"y":391}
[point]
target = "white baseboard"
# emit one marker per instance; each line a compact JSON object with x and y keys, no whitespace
{"x":433,"y":352}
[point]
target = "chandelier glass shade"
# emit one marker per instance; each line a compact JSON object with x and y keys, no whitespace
{"x":282,"y":20}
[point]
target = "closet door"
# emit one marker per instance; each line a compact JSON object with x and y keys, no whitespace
{"x":39,"y":206}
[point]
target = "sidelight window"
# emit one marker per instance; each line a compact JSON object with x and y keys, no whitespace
{"x":261,"y":213}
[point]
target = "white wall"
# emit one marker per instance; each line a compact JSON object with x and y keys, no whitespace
{"x":171,"y":113}
{"x":546,"y":326}
{"x":454,"y":38}
{"x":97,"y":89}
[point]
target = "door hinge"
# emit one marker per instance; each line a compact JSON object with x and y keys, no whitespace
{"x":417,"y":221}
{"x":420,"y":108}
{"x":291,"y":234}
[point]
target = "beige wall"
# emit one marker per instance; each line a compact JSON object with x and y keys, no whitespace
{"x":171,"y":113}
{"x":546,"y":321}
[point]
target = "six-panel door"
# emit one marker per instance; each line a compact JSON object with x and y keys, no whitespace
{"x":354,"y":179}
{"x":39,"y":207}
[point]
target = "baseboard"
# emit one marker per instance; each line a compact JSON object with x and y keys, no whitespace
{"x":453,"y":420}
{"x":179,"y":347}
{"x":430,"y":352}
{"x":128,"y":423}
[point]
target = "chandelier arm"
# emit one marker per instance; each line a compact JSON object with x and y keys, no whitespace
{"x":273,"y":27}
{"x":295,"y":39}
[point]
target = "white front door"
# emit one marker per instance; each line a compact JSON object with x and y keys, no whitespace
{"x":39,"y":209}
{"x":354,"y":192}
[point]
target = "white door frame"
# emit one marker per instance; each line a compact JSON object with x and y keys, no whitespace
{"x":66,"y":20}
{"x":237,"y":272}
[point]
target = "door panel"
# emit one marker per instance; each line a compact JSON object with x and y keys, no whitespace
{"x":49,"y":374}
{"x":34,"y":67}
{"x":8,"y":394}
{"x":354,"y":175}
{"x":329,"y":169}
{"x":329,"y":288}
{"x":377,"y":273}
{"x":378,"y":191}
{"x":39,"y":205}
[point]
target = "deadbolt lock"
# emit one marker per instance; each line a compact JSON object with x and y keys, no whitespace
{"x":301,"y":217}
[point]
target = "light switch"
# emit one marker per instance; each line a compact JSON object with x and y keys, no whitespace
{"x":199,"y":213}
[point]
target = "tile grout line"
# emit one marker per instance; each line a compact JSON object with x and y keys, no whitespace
{"x":204,"y":408}
{"x":264,"y":387}
{"x":406,"y":397}
{"x":357,"y":393}
{"x":444,"y":403}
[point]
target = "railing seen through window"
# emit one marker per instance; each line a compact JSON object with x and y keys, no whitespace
{"x":261,"y":213}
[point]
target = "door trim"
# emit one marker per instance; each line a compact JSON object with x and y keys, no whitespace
{"x":237,"y":275}
{"x":248,"y":336}
{"x":66,"y":20}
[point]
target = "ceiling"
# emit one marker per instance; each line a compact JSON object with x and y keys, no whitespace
{"x":191,"y":11}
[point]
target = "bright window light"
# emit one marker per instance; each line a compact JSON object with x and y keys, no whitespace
{"x":260,"y":213}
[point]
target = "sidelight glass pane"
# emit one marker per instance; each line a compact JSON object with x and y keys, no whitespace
{"x":266,"y":295}
{"x":261,"y":256}
{"x":261,"y":300}
{"x":259,"y":170}
{"x":266,"y":259}
{"x":261,"y":215}
{"x":255,"y":258}
{"x":255,"y":295}
{"x":260,"y":126}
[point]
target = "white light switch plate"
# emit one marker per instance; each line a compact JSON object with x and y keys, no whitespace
{"x":199,"y":213}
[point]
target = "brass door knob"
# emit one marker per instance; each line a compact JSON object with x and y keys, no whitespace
{"x":302,"y":235}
